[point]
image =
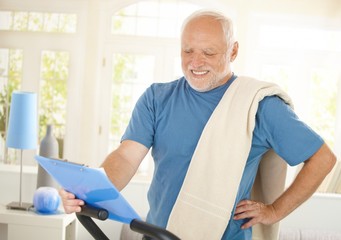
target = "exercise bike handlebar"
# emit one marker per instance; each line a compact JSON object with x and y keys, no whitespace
{"x":150,"y":230}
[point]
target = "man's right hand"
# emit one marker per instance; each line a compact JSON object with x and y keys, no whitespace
{"x":70,"y":203}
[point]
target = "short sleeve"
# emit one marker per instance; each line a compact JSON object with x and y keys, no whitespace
{"x":290,"y":137}
{"x":141,"y":124}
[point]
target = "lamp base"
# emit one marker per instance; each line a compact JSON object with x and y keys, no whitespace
{"x":19,"y":206}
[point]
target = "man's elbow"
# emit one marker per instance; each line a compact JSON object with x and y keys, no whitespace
{"x":324,"y":159}
{"x":332,"y":161}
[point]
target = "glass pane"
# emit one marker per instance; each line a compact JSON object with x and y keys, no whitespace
{"x":162,"y":18}
{"x":51,"y":22}
{"x":20,"y":21}
{"x":167,"y":27}
{"x":274,"y":36}
{"x":316,"y":90}
{"x":277,"y":74}
{"x":53,"y":91}
{"x":38,"y":22}
{"x":148,"y":9}
{"x":124,"y":25}
{"x":184,"y":8}
{"x":132,"y":74}
{"x":168,"y":9}
{"x":177,"y":70}
{"x":323,"y":94}
{"x":147,"y":26}
{"x":5,"y":20}
{"x":129,"y":11}
{"x":35,"y":21}
{"x":67,"y":23}
{"x":4,"y":64}
{"x":11,"y":61}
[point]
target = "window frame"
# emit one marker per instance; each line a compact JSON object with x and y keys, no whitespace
{"x":31,"y":76}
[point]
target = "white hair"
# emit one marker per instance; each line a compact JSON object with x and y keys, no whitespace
{"x":226,"y":24}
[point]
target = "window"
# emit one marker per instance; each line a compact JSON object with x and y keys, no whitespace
{"x":303,"y":60}
{"x":152,"y":18}
{"x":35,"y":67}
{"x":38,"y":22}
{"x":53,"y":91}
{"x":313,"y":82}
{"x":132,"y":74}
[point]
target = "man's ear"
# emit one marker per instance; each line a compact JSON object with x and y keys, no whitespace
{"x":234,"y":51}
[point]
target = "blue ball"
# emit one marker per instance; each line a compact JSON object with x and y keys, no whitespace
{"x":46,"y":200}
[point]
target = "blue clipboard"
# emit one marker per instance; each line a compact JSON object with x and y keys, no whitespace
{"x":91,"y":185}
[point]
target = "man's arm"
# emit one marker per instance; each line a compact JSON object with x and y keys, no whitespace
{"x":314,"y":170}
{"x":120,"y":166}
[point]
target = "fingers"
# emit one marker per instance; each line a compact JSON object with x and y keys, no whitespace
{"x":256,"y":212}
{"x":248,"y":208}
{"x":70,"y":203}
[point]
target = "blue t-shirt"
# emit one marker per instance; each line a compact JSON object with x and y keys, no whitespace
{"x":170,"y":117}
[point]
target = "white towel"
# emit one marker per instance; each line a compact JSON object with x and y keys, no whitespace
{"x":207,"y":197}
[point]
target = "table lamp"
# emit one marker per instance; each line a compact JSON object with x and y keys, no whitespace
{"x":22,"y":132}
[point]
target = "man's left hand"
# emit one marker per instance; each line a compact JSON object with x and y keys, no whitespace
{"x":257,"y":212}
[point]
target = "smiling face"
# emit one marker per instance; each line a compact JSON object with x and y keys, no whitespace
{"x":206,"y":60}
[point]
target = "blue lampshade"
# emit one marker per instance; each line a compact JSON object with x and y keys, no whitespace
{"x":22,"y":125}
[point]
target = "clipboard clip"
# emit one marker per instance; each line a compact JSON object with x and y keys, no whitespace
{"x":65,"y":160}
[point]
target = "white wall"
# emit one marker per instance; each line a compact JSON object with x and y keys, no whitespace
{"x":320,"y":213}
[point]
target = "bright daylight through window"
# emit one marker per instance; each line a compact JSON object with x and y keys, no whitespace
{"x":54,"y":72}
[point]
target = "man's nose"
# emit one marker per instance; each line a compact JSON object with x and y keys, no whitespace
{"x":198,"y":59}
